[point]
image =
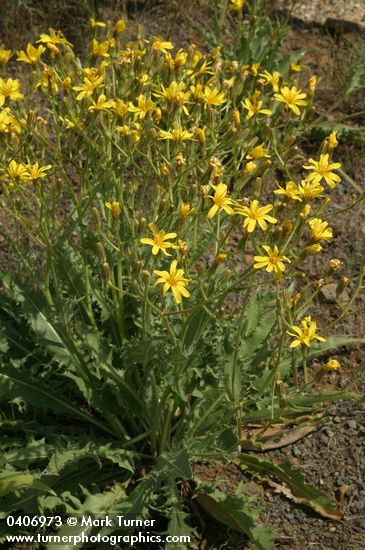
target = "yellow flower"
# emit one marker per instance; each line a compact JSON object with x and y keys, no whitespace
{"x":174,"y":280}
{"x":100,"y":49}
{"x":221,"y":200}
{"x":143,"y":107}
{"x":177,"y":135}
{"x":332,"y":365}
{"x":102,"y":104}
{"x":273,"y":261}
{"x":331,"y":140}
{"x":258,"y":152}
{"x":114,"y":207}
{"x":94,"y":23}
{"x":236,"y":5}
{"x":54,"y":37}
{"x":213,"y":96}
{"x":88,"y":87}
{"x":9,"y":88}
{"x":292,"y":98}
{"x":255,"y":68}
{"x":32,"y":54}
{"x":312,"y":84}
{"x":119,"y":26}
{"x":305,"y":334}
{"x":320,"y":230}
{"x":121,"y":108}
{"x":5,"y":55}
{"x":309,"y":190}
{"x":36,"y":172}
{"x":272,"y":79}
{"x":255,"y":214}
{"x":250,"y":167}
{"x":185,"y":210}
{"x":290,"y":191}
{"x":159,"y":45}
{"x":159,"y":240}
{"x":8,"y":123}
{"x":295,"y":68}
{"x":254,"y":106}
{"x":17,"y":171}
{"x":174,"y":94}
{"x":323,"y":169}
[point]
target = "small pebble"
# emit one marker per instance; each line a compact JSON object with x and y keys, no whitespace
{"x":352,"y":424}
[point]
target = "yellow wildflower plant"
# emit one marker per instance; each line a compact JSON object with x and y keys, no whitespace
{"x":221,"y":200}
{"x":236,"y":5}
{"x":159,"y":241}
{"x":174,"y":280}
{"x":272,"y":261}
{"x":332,"y":365}
{"x":292,"y":98}
{"x":54,"y":37}
{"x":32,"y":55}
{"x":255,"y":214}
{"x":309,"y":190}
{"x":160,"y":45}
{"x":100,"y":49}
{"x":305,"y":334}
{"x":323,"y":169}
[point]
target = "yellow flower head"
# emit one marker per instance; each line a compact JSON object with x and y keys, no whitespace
{"x":292,"y":98}
{"x":332,"y":365}
{"x":331,"y":140}
{"x":54,"y":37}
{"x":102,"y":104}
{"x":5,"y":55}
{"x":17,"y":171}
{"x":94,"y":23}
{"x":9,"y":88}
{"x":290,"y":191}
{"x":143,"y":107}
{"x":88,"y":86}
{"x":221,"y":200}
{"x":173,"y":280}
{"x":36,"y":172}
{"x":254,"y":214}
{"x":114,"y":207}
{"x":32,"y":55}
{"x":305,"y":334}
{"x":322,"y":169}
{"x":320,"y":230}
{"x":119,"y":26}
{"x":159,"y":45}
{"x":309,"y":190}
{"x":185,"y":210}
{"x":100,"y":49}
{"x":236,"y":5}
{"x":177,"y":135}
{"x":254,"y":105}
{"x":258,"y":152}
{"x":273,"y":261}
{"x":272,"y":78}
{"x":159,"y":241}
{"x":212,"y":96}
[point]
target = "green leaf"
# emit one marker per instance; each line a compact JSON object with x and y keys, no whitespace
{"x":301,"y":491}
{"x":14,"y":383}
{"x":176,"y":464}
{"x":13,"y":481}
{"x":237,"y":513}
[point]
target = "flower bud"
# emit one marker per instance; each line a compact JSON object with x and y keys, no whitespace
{"x":101,"y":252}
{"x":146,"y":274}
{"x":334,"y":265}
{"x":164,"y":169}
{"x":105,"y":271}
{"x":295,"y":299}
{"x":219,"y":259}
{"x":344,"y":281}
{"x":287,"y":226}
{"x":96,"y":217}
